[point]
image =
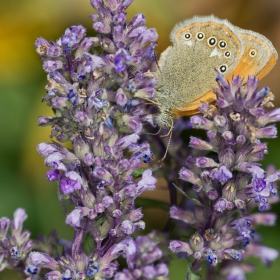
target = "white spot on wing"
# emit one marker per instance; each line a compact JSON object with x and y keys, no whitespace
{"x":215,"y":52}
{"x":189,"y":43}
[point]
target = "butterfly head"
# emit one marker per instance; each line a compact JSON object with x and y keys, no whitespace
{"x":164,"y":119}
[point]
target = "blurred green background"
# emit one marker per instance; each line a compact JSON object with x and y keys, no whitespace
{"x":22,"y":82}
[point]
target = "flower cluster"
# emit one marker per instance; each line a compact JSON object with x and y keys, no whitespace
{"x":94,"y":86}
{"x":229,"y":182}
{"x":79,"y":265}
{"x":141,"y":258}
{"x":15,"y":247}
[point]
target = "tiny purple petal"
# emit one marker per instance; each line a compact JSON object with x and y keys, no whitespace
{"x":220,"y":205}
{"x":199,"y":144}
{"x":179,"y":246}
{"x":127,"y":227}
{"x":223,"y":174}
{"x":102,"y":173}
{"x":19,"y":217}
{"x":107,"y":201}
{"x":122,"y":57}
{"x":43,"y":260}
{"x":53,"y":175}
{"x":89,"y":159}
{"x":4,"y":226}
{"x":74,"y":218}
{"x":162,"y":269}
{"x":121,"y":97}
{"x":147,"y":182}
{"x":198,"y":121}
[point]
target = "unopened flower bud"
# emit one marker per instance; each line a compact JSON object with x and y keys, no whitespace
{"x":4,"y":226}
{"x":81,"y":148}
{"x":179,"y":246}
{"x":196,"y":242}
{"x":229,"y":190}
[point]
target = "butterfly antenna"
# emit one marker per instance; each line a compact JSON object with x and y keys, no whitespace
{"x":153,"y":133}
{"x":153,"y":102}
{"x":167,"y":147}
{"x":170,"y":131}
{"x":168,"y":144}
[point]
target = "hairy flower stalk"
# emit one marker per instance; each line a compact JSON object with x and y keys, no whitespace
{"x":227,"y":179}
{"x":94,"y":85}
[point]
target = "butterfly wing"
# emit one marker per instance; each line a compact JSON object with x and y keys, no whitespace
{"x":199,"y":45}
{"x":192,"y":108}
{"x":259,"y":56}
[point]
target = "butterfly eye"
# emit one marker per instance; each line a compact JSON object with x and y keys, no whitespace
{"x":223,"y":68}
{"x":188,"y":36}
{"x":222,"y":44}
{"x":227,"y":54}
{"x":253,"y":53}
{"x":200,"y":36}
{"x":212,"y":41}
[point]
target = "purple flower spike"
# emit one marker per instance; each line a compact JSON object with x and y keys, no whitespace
{"x":95,"y":89}
{"x":225,"y":173}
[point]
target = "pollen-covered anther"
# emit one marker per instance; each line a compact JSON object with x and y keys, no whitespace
{"x":82,"y":93}
{"x":267,"y":100}
{"x":97,"y":73}
{"x":252,"y":130}
{"x":196,"y":242}
{"x":209,"y":234}
{"x":210,"y":112}
{"x":235,"y":117}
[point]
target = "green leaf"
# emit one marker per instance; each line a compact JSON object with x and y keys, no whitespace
{"x":191,"y":276}
{"x":197,"y":202}
{"x":138,"y":173}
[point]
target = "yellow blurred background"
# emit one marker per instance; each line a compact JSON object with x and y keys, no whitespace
{"x":22,"y":81}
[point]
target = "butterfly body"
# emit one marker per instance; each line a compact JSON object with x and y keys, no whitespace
{"x":186,"y":75}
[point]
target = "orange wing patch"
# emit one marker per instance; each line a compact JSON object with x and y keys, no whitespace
{"x":192,"y":108}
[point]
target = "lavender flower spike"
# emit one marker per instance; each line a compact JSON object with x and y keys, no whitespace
{"x":93,"y":87}
{"x":234,"y":174}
